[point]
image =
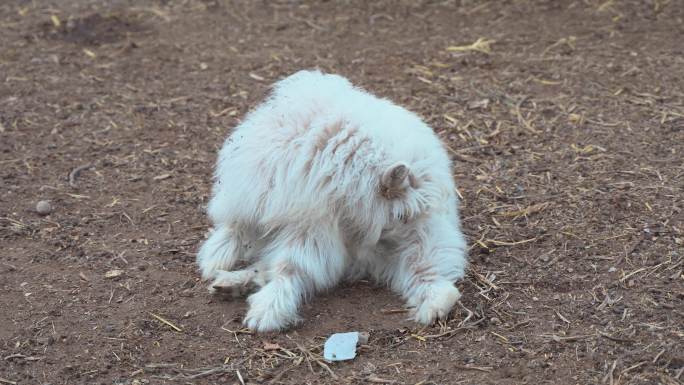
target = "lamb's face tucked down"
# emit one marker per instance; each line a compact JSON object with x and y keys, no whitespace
{"x":348,"y":199}
{"x":399,"y":193}
{"x":395,"y":181}
{"x":409,"y":197}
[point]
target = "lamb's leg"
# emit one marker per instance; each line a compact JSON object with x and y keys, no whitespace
{"x":220,"y":251}
{"x":427,"y":269}
{"x":300,"y":263}
{"x":238,"y":282}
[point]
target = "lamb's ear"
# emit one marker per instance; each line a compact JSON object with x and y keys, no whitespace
{"x":395,"y":176}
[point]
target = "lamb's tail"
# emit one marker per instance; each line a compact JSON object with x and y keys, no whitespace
{"x":219,"y":252}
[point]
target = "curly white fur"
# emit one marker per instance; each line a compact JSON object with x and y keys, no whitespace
{"x":323,"y":182}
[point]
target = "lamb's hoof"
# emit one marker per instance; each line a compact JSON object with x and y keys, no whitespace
{"x":267,"y":313}
{"x":237,"y":283}
{"x":437,"y":305}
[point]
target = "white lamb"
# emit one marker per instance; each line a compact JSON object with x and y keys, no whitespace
{"x":324,"y":182}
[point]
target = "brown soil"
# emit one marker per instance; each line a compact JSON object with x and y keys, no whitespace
{"x":568,"y":132}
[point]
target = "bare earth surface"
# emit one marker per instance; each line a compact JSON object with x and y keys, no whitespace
{"x":566,"y":122}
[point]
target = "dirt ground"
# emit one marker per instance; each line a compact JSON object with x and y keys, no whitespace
{"x":566,"y":124}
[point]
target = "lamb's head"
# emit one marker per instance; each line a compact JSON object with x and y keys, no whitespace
{"x":407,"y":194}
{"x":395,"y":181}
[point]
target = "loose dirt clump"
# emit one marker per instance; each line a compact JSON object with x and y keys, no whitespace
{"x":92,"y":30}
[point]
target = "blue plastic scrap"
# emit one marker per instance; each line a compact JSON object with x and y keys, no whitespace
{"x":341,"y":346}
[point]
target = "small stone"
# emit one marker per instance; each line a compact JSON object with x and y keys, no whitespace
{"x":612,"y":269}
{"x":114,"y":273}
{"x":271,"y":346}
{"x":477,"y":104}
{"x":43,"y":208}
{"x":45,"y":340}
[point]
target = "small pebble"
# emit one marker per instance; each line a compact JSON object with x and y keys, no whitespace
{"x":114,"y":273}
{"x":43,"y":208}
{"x":45,"y":340}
